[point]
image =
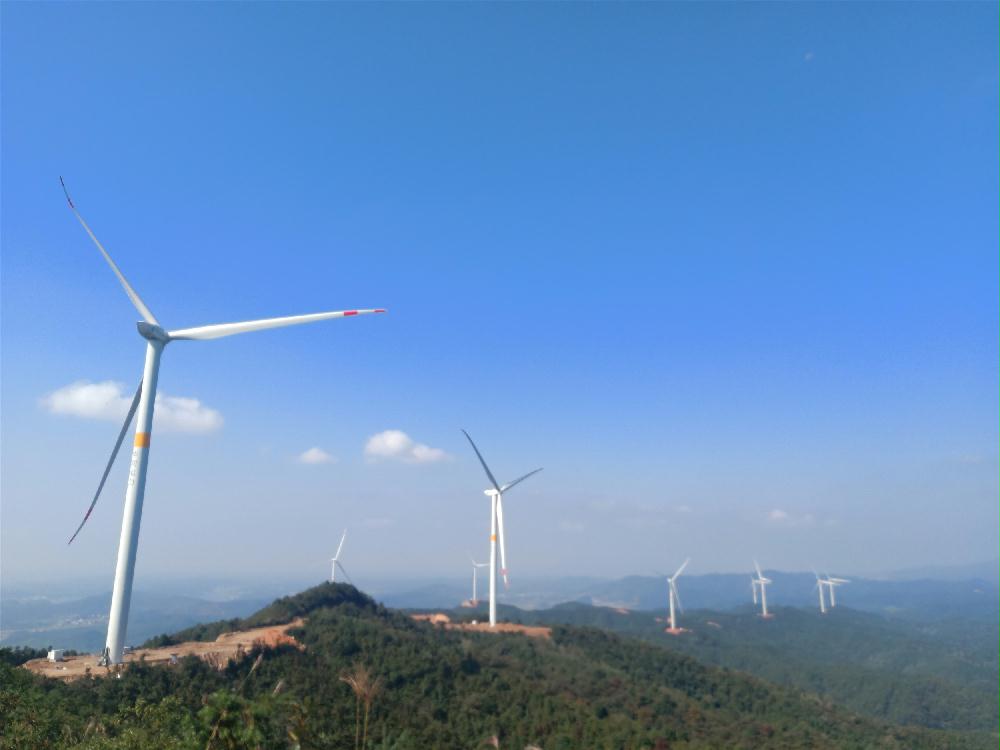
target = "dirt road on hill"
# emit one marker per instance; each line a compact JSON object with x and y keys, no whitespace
{"x":218,"y":652}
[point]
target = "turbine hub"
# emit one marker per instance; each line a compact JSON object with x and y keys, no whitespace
{"x":152,"y":332}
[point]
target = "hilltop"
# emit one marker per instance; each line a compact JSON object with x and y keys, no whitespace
{"x":583,"y":687}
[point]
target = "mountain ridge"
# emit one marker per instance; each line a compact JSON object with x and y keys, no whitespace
{"x":585,"y":687}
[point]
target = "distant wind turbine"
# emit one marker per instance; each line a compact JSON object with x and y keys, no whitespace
{"x":675,"y":597}
{"x":832,"y":583}
{"x":475,"y":576}
{"x":142,"y":404}
{"x":761,"y":581}
{"x":496,"y":520}
{"x":335,"y":562}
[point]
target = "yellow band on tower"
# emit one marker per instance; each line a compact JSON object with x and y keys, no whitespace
{"x":493,"y":537}
{"x":142,"y":440}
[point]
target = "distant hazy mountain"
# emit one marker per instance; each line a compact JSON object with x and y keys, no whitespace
{"x":919,"y":599}
{"x":81,"y":623}
{"x":986,"y":571}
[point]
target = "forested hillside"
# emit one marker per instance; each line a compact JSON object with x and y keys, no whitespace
{"x":431,"y":688}
{"x":941,"y":674}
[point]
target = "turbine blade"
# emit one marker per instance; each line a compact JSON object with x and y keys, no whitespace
{"x":341,"y":545}
{"x":486,"y":468}
{"x":344,"y":571}
{"x":681,"y":568}
{"x":136,"y":300}
{"x":202,"y":333}
{"x":757,"y":566}
{"x":677,"y":595}
{"x":518,"y":480}
{"x":503,"y":553}
{"x":111,"y":461}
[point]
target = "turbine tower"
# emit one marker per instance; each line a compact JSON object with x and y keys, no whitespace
{"x":761,"y":581}
{"x":675,"y":597}
{"x":142,"y":407}
{"x":495,"y":494}
{"x":832,"y":583}
{"x":475,"y":580}
{"x":820,"y":583}
{"x":335,"y":562}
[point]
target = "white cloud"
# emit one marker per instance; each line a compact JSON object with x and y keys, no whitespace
{"x":315,"y":455}
{"x":397,"y":445}
{"x":784,"y":518}
{"x":683,"y":508}
{"x":109,"y":401}
{"x":571,"y":527}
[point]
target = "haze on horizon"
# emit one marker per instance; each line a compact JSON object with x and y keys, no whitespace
{"x":738,"y":297}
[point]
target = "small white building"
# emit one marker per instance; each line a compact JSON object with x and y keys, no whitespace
{"x":56,"y":654}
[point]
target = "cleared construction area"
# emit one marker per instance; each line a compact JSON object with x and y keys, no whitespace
{"x":442,"y":620}
{"x":225,"y":648}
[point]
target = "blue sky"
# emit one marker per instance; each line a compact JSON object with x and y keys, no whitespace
{"x":728,"y":272}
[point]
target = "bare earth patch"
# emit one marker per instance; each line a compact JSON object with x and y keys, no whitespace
{"x":226,"y":647}
{"x":442,"y":620}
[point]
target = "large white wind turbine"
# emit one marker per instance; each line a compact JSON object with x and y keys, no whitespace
{"x":675,"y":597}
{"x":142,"y":404}
{"x":761,"y":581}
{"x":335,"y":561}
{"x":496,"y":520}
{"x":475,"y":580}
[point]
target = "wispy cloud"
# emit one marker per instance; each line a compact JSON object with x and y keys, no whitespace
{"x":571,"y":527}
{"x":779,"y":517}
{"x":109,"y":401}
{"x":396,"y":445}
{"x":315,"y":455}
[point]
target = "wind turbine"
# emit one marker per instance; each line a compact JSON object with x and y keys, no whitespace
{"x":335,"y":562}
{"x":142,"y":404}
{"x":675,"y":597}
{"x":496,"y":520}
{"x":475,"y":576}
{"x":832,"y":584}
{"x":820,"y":583}
{"x":761,"y":581}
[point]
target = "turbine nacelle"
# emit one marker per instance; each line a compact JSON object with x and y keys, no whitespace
{"x":152,"y":332}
